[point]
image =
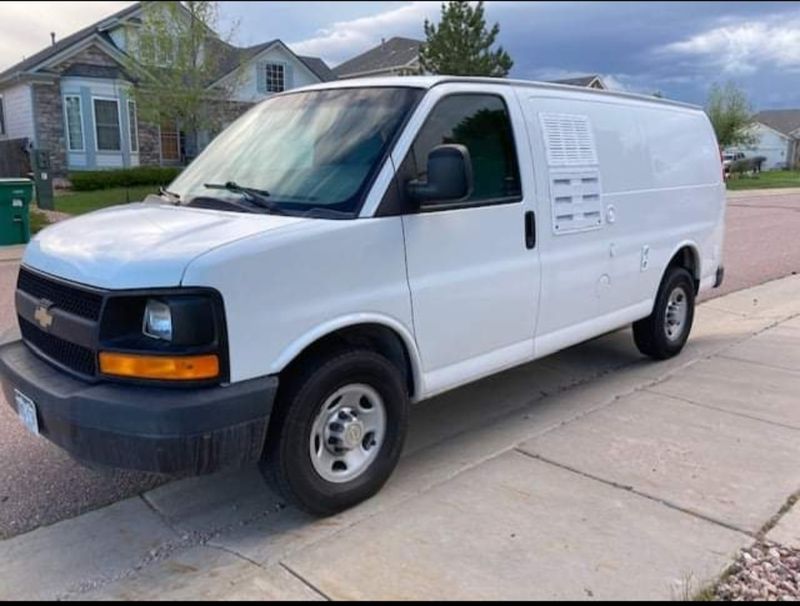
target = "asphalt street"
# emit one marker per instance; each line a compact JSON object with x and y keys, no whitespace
{"x":40,"y":485}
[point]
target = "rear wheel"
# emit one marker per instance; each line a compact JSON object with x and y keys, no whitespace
{"x":337,"y":431}
{"x":663,"y":333}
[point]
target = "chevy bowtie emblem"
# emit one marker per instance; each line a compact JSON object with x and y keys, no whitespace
{"x":42,"y":314}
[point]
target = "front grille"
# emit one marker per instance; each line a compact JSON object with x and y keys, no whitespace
{"x":75,"y":357}
{"x":70,"y":299}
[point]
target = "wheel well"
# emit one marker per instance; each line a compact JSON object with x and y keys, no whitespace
{"x":375,"y":337}
{"x":686,"y":258}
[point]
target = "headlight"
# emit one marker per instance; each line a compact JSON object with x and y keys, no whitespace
{"x":157,"y":320}
{"x":173,"y":334}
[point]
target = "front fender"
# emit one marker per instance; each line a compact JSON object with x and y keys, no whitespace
{"x":296,"y":347}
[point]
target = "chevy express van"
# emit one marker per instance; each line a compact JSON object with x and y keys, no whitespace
{"x":345,"y":249}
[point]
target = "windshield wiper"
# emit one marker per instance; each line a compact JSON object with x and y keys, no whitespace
{"x":172,"y":197}
{"x":257,"y":197}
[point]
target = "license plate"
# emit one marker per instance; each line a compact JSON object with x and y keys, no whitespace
{"x":26,"y":410}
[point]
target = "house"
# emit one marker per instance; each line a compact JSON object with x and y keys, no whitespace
{"x":591,"y":81}
{"x":394,"y":57}
{"x":400,"y":57}
{"x":777,"y":134}
{"x":74,"y":99}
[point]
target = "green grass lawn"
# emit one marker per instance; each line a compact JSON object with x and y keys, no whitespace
{"x":80,"y":202}
{"x":766,"y":180}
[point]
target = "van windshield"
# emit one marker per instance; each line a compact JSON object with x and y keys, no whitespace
{"x":306,"y":152}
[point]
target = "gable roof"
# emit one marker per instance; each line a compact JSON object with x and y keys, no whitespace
{"x":580,"y":81}
{"x":785,"y":121}
{"x":392,"y":53}
{"x":65,"y":43}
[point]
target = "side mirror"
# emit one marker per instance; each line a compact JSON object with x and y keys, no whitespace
{"x":449,"y":176}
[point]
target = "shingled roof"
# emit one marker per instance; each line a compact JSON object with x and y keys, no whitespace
{"x":392,"y":53}
{"x":784,"y":121}
{"x":63,"y":44}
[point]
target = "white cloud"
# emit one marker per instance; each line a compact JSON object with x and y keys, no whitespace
{"x":27,"y":25}
{"x":744,"y":48}
{"x":345,"y":39}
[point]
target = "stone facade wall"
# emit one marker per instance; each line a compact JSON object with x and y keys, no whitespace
{"x":149,"y":145}
{"x":48,"y":111}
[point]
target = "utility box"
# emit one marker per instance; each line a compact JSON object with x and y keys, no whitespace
{"x":42,"y":178}
{"x":15,"y":202}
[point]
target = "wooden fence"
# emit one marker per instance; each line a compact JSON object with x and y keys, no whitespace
{"x":14,"y":158}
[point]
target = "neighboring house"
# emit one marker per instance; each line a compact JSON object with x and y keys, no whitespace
{"x":73,"y":98}
{"x":778,"y":138}
{"x":591,"y":81}
{"x":392,"y":57}
{"x":400,"y":57}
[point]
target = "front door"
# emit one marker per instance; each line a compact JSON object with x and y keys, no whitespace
{"x":472,"y":268}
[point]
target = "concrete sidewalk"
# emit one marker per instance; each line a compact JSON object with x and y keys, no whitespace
{"x":590,"y":474}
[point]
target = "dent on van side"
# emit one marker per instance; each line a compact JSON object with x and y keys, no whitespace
{"x":345,"y":249}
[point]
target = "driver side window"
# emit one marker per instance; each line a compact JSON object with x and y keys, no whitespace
{"x":481,"y":123}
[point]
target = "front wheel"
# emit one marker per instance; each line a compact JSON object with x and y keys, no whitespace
{"x":663,"y":333}
{"x":337,"y":431}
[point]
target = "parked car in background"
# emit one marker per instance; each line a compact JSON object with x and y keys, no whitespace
{"x":729,"y":158}
{"x":345,"y":249}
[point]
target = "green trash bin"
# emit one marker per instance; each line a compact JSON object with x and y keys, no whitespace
{"x":15,"y":202}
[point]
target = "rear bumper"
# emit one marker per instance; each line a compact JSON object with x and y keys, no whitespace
{"x":155,"y":429}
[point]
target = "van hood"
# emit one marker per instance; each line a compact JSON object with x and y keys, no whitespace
{"x":140,"y":245}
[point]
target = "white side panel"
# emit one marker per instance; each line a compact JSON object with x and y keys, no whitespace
{"x":280,"y":288}
{"x":18,"y":106}
{"x":106,"y":160}
{"x":648,"y":204}
{"x":77,"y":160}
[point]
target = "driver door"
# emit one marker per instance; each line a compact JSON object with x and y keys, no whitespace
{"x":473,"y":265}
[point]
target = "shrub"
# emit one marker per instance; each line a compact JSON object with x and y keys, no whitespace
{"x":127,"y":177}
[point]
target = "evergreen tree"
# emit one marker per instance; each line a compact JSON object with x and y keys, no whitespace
{"x":462,"y":45}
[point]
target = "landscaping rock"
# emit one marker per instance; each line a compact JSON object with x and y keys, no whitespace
{"x":765,"y":571}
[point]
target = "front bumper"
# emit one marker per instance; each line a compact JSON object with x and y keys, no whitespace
{"x":155,"y":429}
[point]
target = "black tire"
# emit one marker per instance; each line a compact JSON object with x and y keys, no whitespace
{"x":287,"y":463}
{"x":652,"y":334}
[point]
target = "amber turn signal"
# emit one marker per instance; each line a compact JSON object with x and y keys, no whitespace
{"x":179,"y":368}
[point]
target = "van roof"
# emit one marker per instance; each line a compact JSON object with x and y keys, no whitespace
{"x":428,"y":82}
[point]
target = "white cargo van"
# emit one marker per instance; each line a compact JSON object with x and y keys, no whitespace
{"x":345,"y":249}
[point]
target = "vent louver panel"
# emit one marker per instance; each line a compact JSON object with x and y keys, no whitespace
{"x":576,"y":200}
{"x":568,"y":139}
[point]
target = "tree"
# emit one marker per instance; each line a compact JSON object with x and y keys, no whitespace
{"x":731,"y":115}
{"x":461,"y":45}
{"x":176,"y":55}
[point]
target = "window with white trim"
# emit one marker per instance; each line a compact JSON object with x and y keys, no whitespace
{"x":2,"y":117}
{"x":133,"y":126}
{"x":106,"y":124}
{"x":74,"y":116}
{"x":275,"y":77}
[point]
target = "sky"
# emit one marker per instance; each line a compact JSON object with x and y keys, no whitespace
{"x":677,"y":48}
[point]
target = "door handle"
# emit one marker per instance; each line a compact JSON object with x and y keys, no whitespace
{"x":530,"y":229}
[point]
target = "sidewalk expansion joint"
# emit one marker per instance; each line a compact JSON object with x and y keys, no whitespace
{"x":773,"y":521}
{"x":633,"y":490}
{"x":305,"y":582}
{"x":722,"y":410}
{"x":761,"y":364}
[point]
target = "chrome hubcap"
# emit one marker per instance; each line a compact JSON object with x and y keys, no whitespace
{"x":677,"y":310}
{"x":347,"y":433}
